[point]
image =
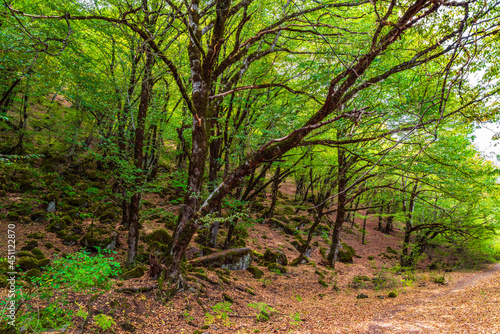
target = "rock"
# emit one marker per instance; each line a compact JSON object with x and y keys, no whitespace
{"x":392,"y":294}
{"x":232,"y":259}
{"x":108,"y":216}
{"x":161,"y":236}
{"x":281,"y":226}
{"x":26,"y":263}
{"x":56,"y":226}
{"x":134,"y":273}
{"x":30,"y":245}
{"x":24,"y":253}
{"x":32,"y":273}
{"x":276,"y":256}
{"x":13,"y":216}
{"x":49,"y":245}
{"x":276,"y":267}
{"x":322,"y":283}
{"x":43,"y":263}
{"x":361,"y":296}
{"x":51,"y":207}
{"x":37,"y":253}
{"x":346,"y":254}
{"x":99,"y":237}
{"x":256,"y":272}
{"x":67,"y":220}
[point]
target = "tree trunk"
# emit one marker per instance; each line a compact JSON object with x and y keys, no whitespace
{"x":339,"y":219}
{"x":134,"y":226}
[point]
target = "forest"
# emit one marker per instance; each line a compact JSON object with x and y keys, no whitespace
{"x":249,"y":166}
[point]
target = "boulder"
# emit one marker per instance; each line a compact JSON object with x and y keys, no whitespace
{"x":51,"y":207}
{"x":281,"y":226}
{"x":30,"y":245}
{"x":57,"y":225}
{"x":232,"y":259}
{"x":276,"y":256}
{"x":256,"y":272}
{"x":26,"y":263}
{"x":98,"y":237}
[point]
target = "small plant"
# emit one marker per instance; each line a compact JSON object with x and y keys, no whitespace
{"x":264,"y":311}
{"x":221,"y":311}
{"x":296,"y":318}
{"x":104,"y":321}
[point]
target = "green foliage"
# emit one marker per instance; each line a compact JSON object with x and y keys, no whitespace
{"x":80,"y":271}
{"x":265,"y":311}
{"x":104,"y":321}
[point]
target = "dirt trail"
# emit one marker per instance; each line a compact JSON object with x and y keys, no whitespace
{"x":469,"y":305}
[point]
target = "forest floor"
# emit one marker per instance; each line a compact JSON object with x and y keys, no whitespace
{"x":427,"y":301}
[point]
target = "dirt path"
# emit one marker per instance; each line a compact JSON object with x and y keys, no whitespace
{"x":468,"y":305}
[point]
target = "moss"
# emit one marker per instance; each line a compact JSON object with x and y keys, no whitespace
{"x":371,"y":257}
{"x":276,"y":256}
{"x":161,"y":236}
{"x":67,"y":220}
{"x":24,"y":253}
{"x":279,"y":225}
{"x":30,"y":245}
{"x":26,"y":263}
{"x":362,"y":278}
{"x":32,"y":273}
{"x":391,"y":250}
{"x":70,"y":240}
{"x":392,"y":294}
{"x":277,"y":267}
{"x":317,"y":272}
{"x":3,"y":281}
{"x":97,"y":237}
{"x":35,"y":235}
{"x":57,"y":225}
{"x":37,"y":253}
{"x":134,"y":273}
{"x":108,"y":216}
{"x":256,"y":272}
{"x":250,"y":291}
{"x":288,"y":210}
{"x":13,"y":216}
{"x":322,"y":283}
{"x":38,"y":216}
{"x":43,"y":263}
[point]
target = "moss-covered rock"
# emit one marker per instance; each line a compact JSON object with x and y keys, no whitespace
{"x":108,"y":216}
{"x":322,"y":283}
{"x":134,"y":273}
{"x":232,"y":259}
{"x":57,"y":225}
{"x":346,"y":254}
{"x":100,"y":238}
{"x":258,"y":207}
{"x":392,"y":294}
{"x":13,"y":216}
{"x":70,"y":240}
{"x":3,"y":284}
{"x":67,"y":220}
{"x":276,"y":267}
{"x":281,"y":226}
{"x":256,"y":272}
{"x":37,"y":253}
{"x":24,"y":253}
{"x":276,"y":256}
{"x":32,"y":273}
{"x":38,"y":216}
{"x":4,"y":267}
{"x":161,"y":236}
{"x":42,"y":263}
{"x":30,"y":245}
{"x":49,"y":245}
{"x":26,"y":263}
